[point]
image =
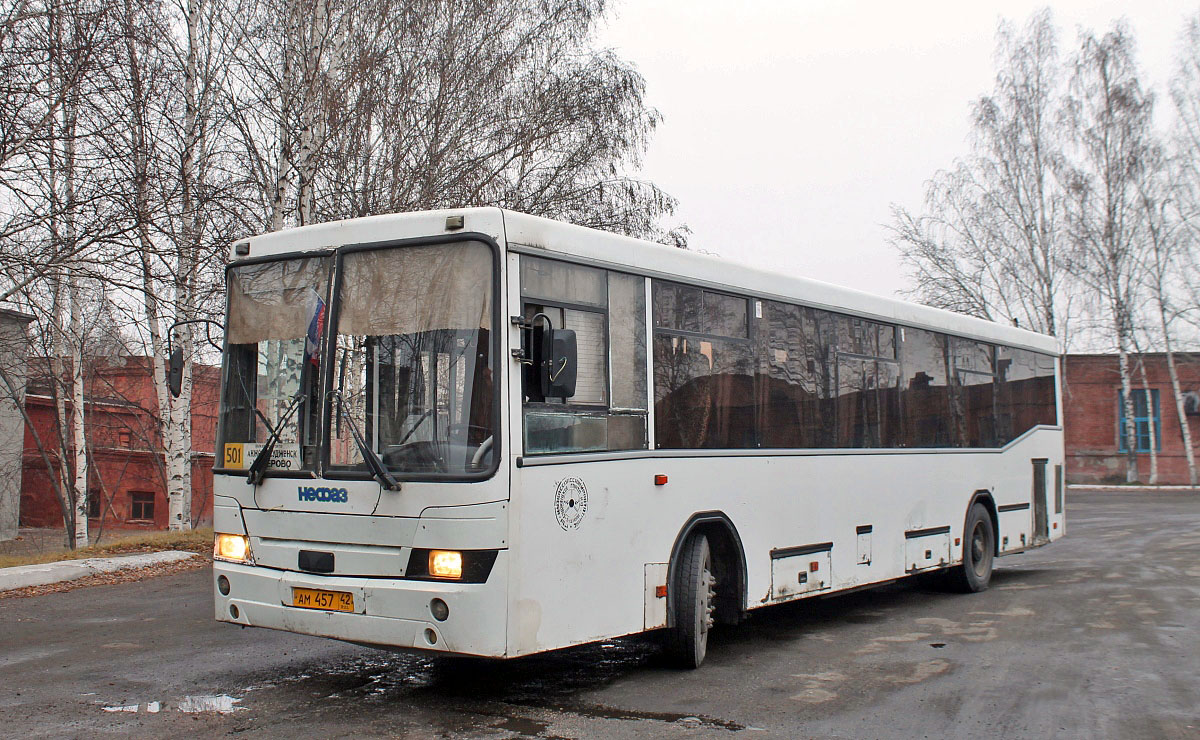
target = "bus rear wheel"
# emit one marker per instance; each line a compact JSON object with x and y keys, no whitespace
{"x":979,"y":547}
{"x":695,"y":593}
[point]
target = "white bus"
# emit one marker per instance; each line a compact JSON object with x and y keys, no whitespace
{"x":485,"y":433}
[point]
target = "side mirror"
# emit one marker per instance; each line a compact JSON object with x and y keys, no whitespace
{"x":558,"y":367}
{"x":175,"y":372}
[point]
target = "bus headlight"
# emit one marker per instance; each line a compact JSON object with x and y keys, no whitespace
{"x":234,"y":548}
{"x":445,"y":563}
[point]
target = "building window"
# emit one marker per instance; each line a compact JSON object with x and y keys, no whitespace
{"x":93,"y":504}
{"x":141,"y":505}
{"x":1145,"y":413}
{"x":124,"y":437}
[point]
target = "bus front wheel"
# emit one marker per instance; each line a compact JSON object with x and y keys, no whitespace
{"x":979,"y":546}
{"x":694,"y":602}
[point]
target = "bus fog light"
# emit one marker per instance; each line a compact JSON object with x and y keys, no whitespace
{"x":223,"y":585}
{"x":430,"y":637}
{"x":234,"y":548}
{"x":439,"y":610}
{"x":233,"y":611}
{"x":445,"y":563}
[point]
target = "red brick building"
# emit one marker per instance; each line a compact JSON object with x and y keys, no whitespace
{"x":1093,"y":426}
{"x":127,"y":484}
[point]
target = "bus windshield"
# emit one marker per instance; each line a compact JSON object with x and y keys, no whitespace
{"x":413,"y":362}
{"x":273,"y":362}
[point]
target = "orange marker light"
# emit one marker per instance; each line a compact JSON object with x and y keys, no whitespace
{"x":814,"y":566}
{"x":957,"y":541}
{"x":445,"y":563}
{"x":660,"y":592}
{"x":660,"y":480}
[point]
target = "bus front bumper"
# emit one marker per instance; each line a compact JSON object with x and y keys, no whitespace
{"x":387,"y":612}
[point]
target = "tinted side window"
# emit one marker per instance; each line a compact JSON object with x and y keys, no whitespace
{"x":704,"y":367}
{"x":925,"y":389}
{"x":973,"y":394}
{"x":699,"y":311}
{"x":868,"y":380}
{"x":1025,"y":392}
{"x":795,"y":386}
{"x":867,"y":338}
{"x":868,"y":404}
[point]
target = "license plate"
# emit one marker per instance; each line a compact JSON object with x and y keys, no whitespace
{"x":314,"y":598}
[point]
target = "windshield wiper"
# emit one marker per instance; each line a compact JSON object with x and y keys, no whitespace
{"x":378,"y":470}
{"x":258,"y":468}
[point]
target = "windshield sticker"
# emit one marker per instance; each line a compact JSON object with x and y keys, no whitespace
{"x":329,"y":495}
{"x":239,"y":455}
{"x":570,"y":503}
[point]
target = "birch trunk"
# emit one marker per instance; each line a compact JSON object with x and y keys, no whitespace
{"x":75,"y":331}
{"x":78,"y":418}
{"x":58,"y":307}
{"x":310,"y":112}
{"x":179,"y":430}
{"x":178,"y":447}
{"x":1180,"y":411}
{"x":1131,"y":460}
{"x":58,"y":373}
{"x":142,"y":218}
{"x":291,"y":34}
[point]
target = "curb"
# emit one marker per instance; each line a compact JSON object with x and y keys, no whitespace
{"x":1132,"y":488}
{"x":26,"y":576}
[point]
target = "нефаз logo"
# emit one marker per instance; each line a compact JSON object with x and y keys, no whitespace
{"x":330,"y":495}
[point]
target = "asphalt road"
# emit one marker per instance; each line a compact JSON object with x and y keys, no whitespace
{"x":1097,"y":635}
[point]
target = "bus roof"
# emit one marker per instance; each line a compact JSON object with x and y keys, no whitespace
{"x":535,"y":235}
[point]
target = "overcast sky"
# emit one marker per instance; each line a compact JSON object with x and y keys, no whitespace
{"x":790,"y":127}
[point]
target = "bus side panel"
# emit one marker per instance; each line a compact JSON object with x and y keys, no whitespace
{"x":584,"y":533}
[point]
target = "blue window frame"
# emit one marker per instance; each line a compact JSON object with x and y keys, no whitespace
{"x":1143,"y":415}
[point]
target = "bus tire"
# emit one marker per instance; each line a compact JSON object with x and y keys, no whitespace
{"x":979,"y":547}
{"x":693,"y":603}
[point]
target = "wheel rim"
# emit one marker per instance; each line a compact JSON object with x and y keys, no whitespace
{"x":979,"y":550}
{"x":705,"y":592}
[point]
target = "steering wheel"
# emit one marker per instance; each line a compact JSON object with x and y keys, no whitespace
{"x":484,"y":448}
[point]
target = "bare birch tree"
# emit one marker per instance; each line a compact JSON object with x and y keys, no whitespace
{"x":1164,"y":268}
{"x":1110,"y":116}
{"x":377,"y":106}
{"x":990,"y":241}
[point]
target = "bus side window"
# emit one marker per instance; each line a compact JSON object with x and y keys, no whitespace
{"x":973,"y":393}
{"x":627,"y":340}
{"x":795,"y":394}
{"x":704,"y":370}
{"x":925,"y":389}
{"x":606,"y":310}
{"x":1024,"y":391}
{"x":868,"y":378}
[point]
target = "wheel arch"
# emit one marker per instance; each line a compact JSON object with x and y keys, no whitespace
{"x":729,"y":556}
{"x":984,"y":497}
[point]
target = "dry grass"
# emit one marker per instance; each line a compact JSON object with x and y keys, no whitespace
{"x":194,"y":540}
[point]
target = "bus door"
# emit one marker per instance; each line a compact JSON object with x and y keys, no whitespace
{"x":1041,"y":529}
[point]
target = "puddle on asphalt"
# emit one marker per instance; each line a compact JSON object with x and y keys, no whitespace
{"x":535,"y":681}
{"x":474,"y":685}
{"x":220,"y":704}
